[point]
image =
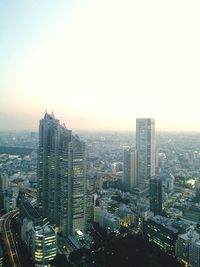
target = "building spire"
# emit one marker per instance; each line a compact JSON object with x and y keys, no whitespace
{"x":52,"y":114}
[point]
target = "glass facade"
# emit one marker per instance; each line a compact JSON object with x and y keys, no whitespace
{"x":157,"y":231}
{"x":61,"y":176}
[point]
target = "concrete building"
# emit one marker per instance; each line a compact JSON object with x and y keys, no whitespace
{"x":3,"y":188}
{"x":194,"y":254}
{"x":130,"y":169}
{"x":61,"y":176}
{"x":106,"y":220}
{"x":44,"y":245}
{"x":10,"y":198}
{"x":183,"y":244}
{"x":146,"y":150}
{"x":3,"y":182}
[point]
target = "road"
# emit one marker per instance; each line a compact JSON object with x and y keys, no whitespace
{"x":5,"y":227}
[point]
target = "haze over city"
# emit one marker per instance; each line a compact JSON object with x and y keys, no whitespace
{"x":100,"y":64}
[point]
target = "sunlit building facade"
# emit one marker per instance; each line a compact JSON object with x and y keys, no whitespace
{"x":146,"y":149}
{"x":130,"y":168}
{"x":61,"y":176}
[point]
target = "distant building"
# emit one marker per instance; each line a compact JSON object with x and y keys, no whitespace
{"x":130,"y":169}
{"x":3,"y":182}
{"x":3,"y":188}
{"x":10,"y":198}
{"x":106,"y":220}
{"x":155,"y":195}
{"x":61,"y":176}
{"x":146,"y":149}
{"x":44,"y":245}
{"x":168,"y":182}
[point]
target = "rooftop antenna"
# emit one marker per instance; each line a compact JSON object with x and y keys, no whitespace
{"x":52,"y":114}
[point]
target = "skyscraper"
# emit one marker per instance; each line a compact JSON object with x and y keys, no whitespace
{"x":146,"y":150}
{"x":155,"y":194}
{"x":61,"y":176}
{"x":130,"y":168}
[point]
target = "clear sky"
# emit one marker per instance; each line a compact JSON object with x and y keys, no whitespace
{"x":100,"y":64}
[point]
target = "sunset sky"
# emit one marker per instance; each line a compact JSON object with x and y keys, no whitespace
{"x":100,"y":64}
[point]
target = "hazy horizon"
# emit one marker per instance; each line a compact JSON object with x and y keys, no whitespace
{"x":100,"y":64}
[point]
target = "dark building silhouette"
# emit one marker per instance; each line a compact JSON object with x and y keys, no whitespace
{"x":155,"y":194}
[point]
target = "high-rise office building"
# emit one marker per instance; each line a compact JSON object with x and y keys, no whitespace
{"x":130,"y":168}
{"x":61,"y":176}
{"x":146,"y":149}
{"x":3,"y":188}
{"x":3,"y":182}
{"x":155,"y":195}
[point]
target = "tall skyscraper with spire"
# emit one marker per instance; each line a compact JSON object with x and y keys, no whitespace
{"x":146,"y":150}
{"x":61,"y":176}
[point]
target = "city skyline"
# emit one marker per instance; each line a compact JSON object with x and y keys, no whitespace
{"x":100,"y":64}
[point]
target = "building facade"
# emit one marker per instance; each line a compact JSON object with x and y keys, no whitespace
{"x":61,"y":176}
{"x":155,"y":195}
{"x":130,"y":169}
{"x":146,"y":149}
{"x":44,"y":245}
{"x":184,"y":244}
{"x":159,"y":231}
{"x":194,"y":254}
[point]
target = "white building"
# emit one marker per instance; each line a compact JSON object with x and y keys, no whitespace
{"x":146,"y":149}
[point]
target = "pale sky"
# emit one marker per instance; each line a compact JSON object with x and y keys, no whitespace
{"x":100,"y":64}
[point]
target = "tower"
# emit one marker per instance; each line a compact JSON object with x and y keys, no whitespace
{"x":146,"y":151}
{"x":61,"y":176}
{"x":130,"y":168}
{"x":155,"y":192}
{"x":44,"y":245}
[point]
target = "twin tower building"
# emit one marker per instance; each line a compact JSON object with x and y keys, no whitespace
{"x":61,"y":176}
{"x":140,"y":161}
{"x":62,"y":171}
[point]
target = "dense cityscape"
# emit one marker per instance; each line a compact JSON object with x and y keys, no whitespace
{"x":99,"y":198}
